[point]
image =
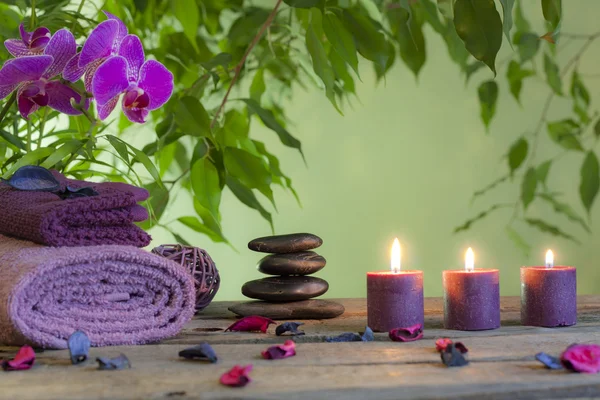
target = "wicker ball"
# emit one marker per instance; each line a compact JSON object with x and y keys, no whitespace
{"x":199,"y":264}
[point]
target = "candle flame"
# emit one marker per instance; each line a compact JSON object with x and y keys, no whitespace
{"x":469,"y":260}
{"x":549,"y":259}
{"x":396,"y":256}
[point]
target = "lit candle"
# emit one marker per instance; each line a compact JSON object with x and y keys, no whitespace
{"x":395,"y":297}
{"x":549,"y":294}
{"x":471,"y":297}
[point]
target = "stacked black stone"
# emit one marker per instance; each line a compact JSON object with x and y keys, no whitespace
{"x":288,"y":293}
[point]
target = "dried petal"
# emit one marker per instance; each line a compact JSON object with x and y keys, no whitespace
{"x":23,"y":360}
{"x":120,"y":362}
{"x":33,"y":178}
{"x":237,"y":376}
{"x":583,"y":358}
{"x":344,"y":337}
{"x":288,"y":349}
{"x":289,"y":327}
{"x":253,"y":323}
{"x":367,"y":335}
{"x":409,"y":334}
{"x":441,"y":344}
{"x":79,"y":347}
{"x":549,"y":361}
{"x":202,"y":352}
{"x":452,"y":357}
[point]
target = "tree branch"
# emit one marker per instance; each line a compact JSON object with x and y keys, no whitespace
{"x":240,"y":65}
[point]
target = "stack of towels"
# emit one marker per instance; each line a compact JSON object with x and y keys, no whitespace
{"x":75,"y":264}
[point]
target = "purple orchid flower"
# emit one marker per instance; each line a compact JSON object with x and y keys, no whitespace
{"x":147,"y":85}
{"x":103,"y":43}
{"x":31,"y":77}
{"x":31,"y":43}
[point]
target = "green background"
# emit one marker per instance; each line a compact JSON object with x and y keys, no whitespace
{"x":404,"y":162}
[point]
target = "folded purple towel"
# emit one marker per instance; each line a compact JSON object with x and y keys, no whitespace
{"x":44,"y":218}
{"x":117,"y":295}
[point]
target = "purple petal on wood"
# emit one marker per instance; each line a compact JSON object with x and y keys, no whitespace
{"x":252,"y":323}
{"x":59,"y":98}
{"x":72,"y":72}
{"x":105,"y":110}
{"x":62,"y":48}
{"x":23,"y":360}
{"x":25,"y":36}
{"x":122,"y":29}
{"x":100,"y":42}
{"x":132,"y":50}
{"x":137,"y":115}
{"x":157,"y":82}
{"x":22,"y":69}
{"x":408,"y":334}
{"x":26,"y":106}
{"x":110,"y":80}
{"x":17,"y":48}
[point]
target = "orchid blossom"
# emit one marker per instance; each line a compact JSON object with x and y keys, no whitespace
{"x":147,"y":85}
{"x":31,"y":43}
{"x":31,"y":77}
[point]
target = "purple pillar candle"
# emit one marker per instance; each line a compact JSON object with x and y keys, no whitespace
{"x":549,"y":295}
{"x":394,"y":299}
{"x":471,"y":298}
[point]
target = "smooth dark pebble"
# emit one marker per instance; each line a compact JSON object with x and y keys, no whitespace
{"x":302,"y":263}
{"x":290,"y":243}
{"x":285,"y":288}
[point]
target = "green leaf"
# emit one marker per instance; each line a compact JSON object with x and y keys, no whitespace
{"x":581,"y":97}
{"x":341,"y":71}
{"x":222,"y":59}
{"x":271,"y":122}
{"x":120,"y":147}
{"x":186,"y":11}
{"x":564,"y":133}
{"x":547,"y":228}
{"x":507,"y":22}
{"x":246,"y":196}
{"x":518,"y":240}
{"x":142,"y":158}
{"x":472,"y":68}
{"x":489,"y":187}
{"x":206,"y":185}
{"x":370,"y":42}
{"x":249,"y":169}
{"x":597,"y":129}
{"x":258,"y":87}
{"x":192,"y":117}
{"x":178,"y":238}
{"x":302,"y":3}
{"x":446,"y":8}
{"x":590,"y":180}
{"x":210,"y":222}
{"x":31,"y":158}
{"x":527,"y":44}
{"x":552,"y":75}
{"x":479,"y":25}
{"x":528,"y":187}
{"x":196,"y":225}
{"x":517,"y":154}
{"x":552,"y":10}
{"x":12,"y":139}
{"x":565,"y":209}
{"x":409,"y":35}
{"x":66,"y":150}
{"x":542,"y":171}
{"x":431,"y":16}
{"x":515,"y":76}
{"x":156,"y":204}
{"x":520,"y":21}
{"x":341,"y":40}
{"x":478,"y":217}
{"x":319,"y":58}
{"x":488,"y":96}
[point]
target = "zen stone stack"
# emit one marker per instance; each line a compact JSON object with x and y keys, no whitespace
{"x":289,"y":292}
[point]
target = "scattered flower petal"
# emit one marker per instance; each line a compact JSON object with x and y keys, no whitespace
{"x":289,"y":327}
{"x":120,"y":362}
{"x":288,"y":349}
{"x":549,"y":361}
{"x":202,"y":352}
{"x":452,"y":357}
{"x":583,"y":358}
{"x":409,"y":334}
{"x":441,"y":344}
{"x":344,"y":337}
{"x":253,"y":323}
{"x":368,"y":335}
{"x":33,"y":178}
{"x":72,"y":193}
{"x":23,"y":360}
{"x":237,"y":376}
{"x":79,"y":347}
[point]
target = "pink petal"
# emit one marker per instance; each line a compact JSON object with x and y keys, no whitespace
{"x":59,"y":98}
{"x":441,"y":344}
{"x":22,"y":69}
{"x":17,"y":48}
{"x":156,"y":80}
{"x":25,"y":36}
{"x":137,"y":115}
{"x":288,"y":349}
{"x":72,"y":72}
{"x":122,"y":29}
{"x":41,"y":32}
{"x":409,"y":334}
{"x":253,"y":323}
{"x":105,"y":110}
{"x":23,"y":360}
{"x":133,"y":51}
{"x":237,"y":376}
{"x":62,"y":48}
{"x":100,"y":42}
{"x":584,"y":358}
{"x":25,"y":105}
{"x":110,"y":79}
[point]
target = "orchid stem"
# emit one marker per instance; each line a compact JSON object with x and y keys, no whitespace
{"x":42,"y":126}
{"x":7,"y":106}
{"x":32,"y":20}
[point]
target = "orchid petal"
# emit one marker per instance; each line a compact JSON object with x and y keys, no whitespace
{"x":105,"y":110}
{"x":40,"y":43}
{"x":133,"y":51}
{"x":122,"y":29}
{"x":135,"y":114}
{"x":72,"y":72}
{"x":23,"y":69}
{"x":41,"y":32}
{"x":157,"y":81}
{"x":6,"y":90}
{"x":90,"y":71}
{"x":59,"y":98}
{"x":110,"y":79}
{"x":62,"y":48}
{"x":26,"y":106}
{"x":17,"y":48}
{"x":100,"y":42}
{"x":25,"y":36}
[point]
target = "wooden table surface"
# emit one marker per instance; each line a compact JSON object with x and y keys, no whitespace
{"x":502,"y":363}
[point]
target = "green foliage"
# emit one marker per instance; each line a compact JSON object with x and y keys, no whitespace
{"x":488,"y":97}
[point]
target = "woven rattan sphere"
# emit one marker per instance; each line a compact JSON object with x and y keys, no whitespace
{"x":199,"y":264}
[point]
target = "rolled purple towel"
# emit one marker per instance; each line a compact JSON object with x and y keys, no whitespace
{"x":117,"y":295}
{"x":45,"y":218}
